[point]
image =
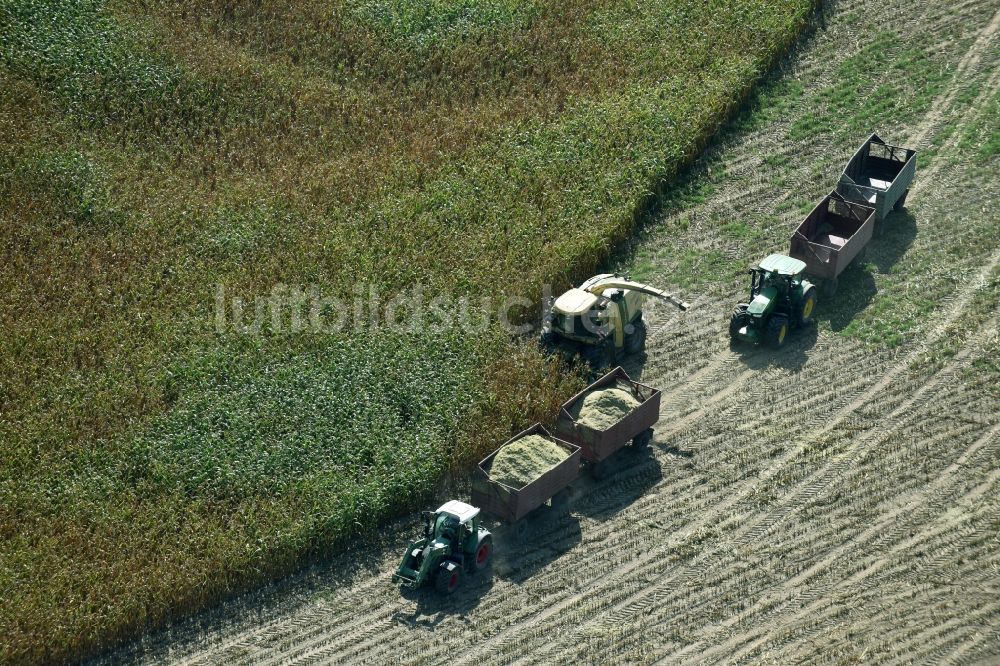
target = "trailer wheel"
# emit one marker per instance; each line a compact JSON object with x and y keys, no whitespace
{"x":599,"y":470}
{"x":449,"y":577}
{"x":484,"y":553}
{"x":560,"y":499}
{"x":519,"y":530}
{"x":830,"y":287}
{"x":777,"y":330}
{"x":642,"y":440}
{"x":901,"y":201}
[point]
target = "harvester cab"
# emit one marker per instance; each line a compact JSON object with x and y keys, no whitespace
{"x":781,"y":298}
{"x":454,"y":543}
{"x":602,"y":318}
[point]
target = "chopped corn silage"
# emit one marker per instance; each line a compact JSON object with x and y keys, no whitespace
{"x":602,"y":408}
{"x":524,"y":460}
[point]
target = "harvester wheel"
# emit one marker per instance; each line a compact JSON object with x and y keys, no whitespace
{"x":635,"y":342}
{"x":449,"y":577}
{"x":804,"y":311}
{"x":547,"y":341}
{"x":776,"y":331}
{"x":601,"y":355}
{"x":901,"y":201}
{"x":739,"y":319}
{"x":484,"y":553}
{"x":643,"y":439}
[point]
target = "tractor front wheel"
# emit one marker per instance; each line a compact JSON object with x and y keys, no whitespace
{"x":739,"y":319}
{"x":449,"y":577}
{"x":804,"y":310}
{"x":777,"y":330}
{"x":635,"y":342}
{"x":484,"y":553}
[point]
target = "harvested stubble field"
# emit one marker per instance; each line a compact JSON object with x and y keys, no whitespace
{"x":151,"y":464}
{"x":829,"y":503}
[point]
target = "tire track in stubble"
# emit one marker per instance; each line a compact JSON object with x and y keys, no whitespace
{"x":885,"y":526}
{"x":822,"y":626}
{"x":620,"y":613}
{"x":936,"y":500}
{"x":898,"y":558}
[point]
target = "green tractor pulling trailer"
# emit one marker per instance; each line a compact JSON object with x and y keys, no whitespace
{"x":454,"y":543}
{"x":875,"y":181}
{"x":781,"y":298}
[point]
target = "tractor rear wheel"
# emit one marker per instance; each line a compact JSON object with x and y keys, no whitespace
{"x":484,"y":553}
{"x":804,"y":310}
{"x":777,"y":330}
{"x":449,"y":577}
{"x":739,"y":319}
{"x":635,"y":342}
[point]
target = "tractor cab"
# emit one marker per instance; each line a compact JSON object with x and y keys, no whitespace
{"x":772,"y":282}
{"x":781,"y":298}
{"x":777,"y":269}
{"x":453,"y":520}
{"x":453,"y":542}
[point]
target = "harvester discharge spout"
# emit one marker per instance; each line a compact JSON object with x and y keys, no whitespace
{"x":614,"y":282}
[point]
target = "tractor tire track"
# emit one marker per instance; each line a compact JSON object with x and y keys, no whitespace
{"x":647,"y":596}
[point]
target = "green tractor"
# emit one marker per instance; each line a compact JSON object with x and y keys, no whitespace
{"x":781,"y":298}
{"x":454,"y":543}
{"x":601,"y":320}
